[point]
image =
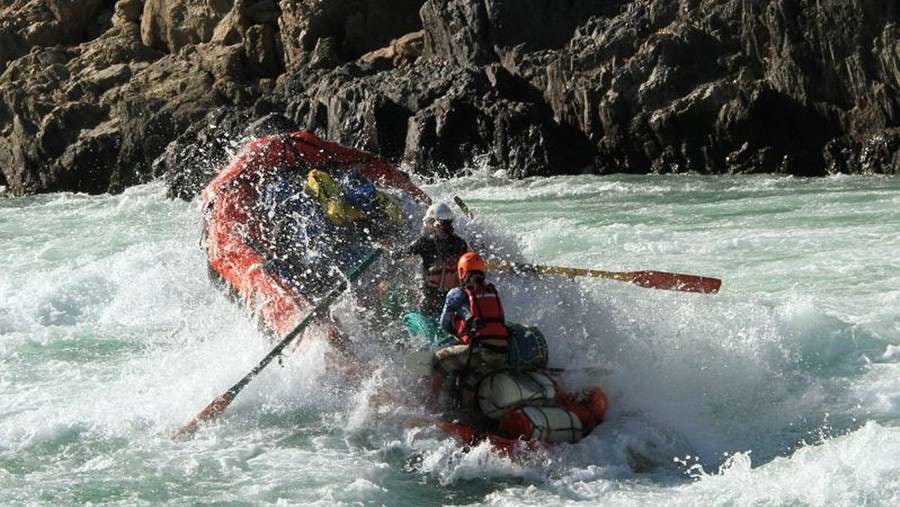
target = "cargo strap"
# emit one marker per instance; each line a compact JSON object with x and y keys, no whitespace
{"x":492,"y":348}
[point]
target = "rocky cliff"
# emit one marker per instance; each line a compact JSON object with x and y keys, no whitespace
{"x":96,"y":95}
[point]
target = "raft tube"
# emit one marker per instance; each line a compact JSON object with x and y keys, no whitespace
{"x":231,"y":227}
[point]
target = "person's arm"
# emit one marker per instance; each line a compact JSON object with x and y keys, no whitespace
{"x":454,"y":304}
{"x":415,"y":248}
{"x":406,"y":251}
{"x":464,"y":247}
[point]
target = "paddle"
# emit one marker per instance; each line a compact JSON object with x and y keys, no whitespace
{"x":648,"y":279}
{"x":218,"y":405}
{"x":465,"y":209}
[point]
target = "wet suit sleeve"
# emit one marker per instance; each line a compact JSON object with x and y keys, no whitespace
{"x":456,"y":303}
{"x":462,"y":246}
{"x":414,"y":248}
{"x":417,"y":246}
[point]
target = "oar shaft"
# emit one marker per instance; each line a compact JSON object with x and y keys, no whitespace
{"x":593,"y":273}
{"x":218,"y":405}
{"x":538,"y":269}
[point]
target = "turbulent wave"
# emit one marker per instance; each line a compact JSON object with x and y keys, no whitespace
{"x":111,"y":336}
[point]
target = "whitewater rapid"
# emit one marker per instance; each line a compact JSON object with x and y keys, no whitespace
{"x":782,"y":389}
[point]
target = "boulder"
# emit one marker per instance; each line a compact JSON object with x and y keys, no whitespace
{"x":476,"y":31}
{"x":55,"y":112}
{"x":725,"y":86}
{"x":405,"y":50}
{"x":355,"y":27}
{"x":25,"y":24}
{"x":169,"y":25}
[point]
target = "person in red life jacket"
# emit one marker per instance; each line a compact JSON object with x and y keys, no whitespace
{"x":474,"y":314}
{"x":440,"y":249}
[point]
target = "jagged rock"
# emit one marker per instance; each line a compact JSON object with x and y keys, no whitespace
{"x":111,"y":96}
{"x":263,"y":12}
{"x":55,"y":106}
{"x":166,"y":98}
{"x":453,"y":134}
{"x":261,"y":50}
{"x":724,"y":86}
{"x":194,"y":157}
{"x":172,"y":24}
{"x":438,"y":119}
{"x":91,"y":164}
{"x":355,"y":26}
{"x":408,"y":48}
{"x":128,"y":11}
{"x":474,"y":31}
{"x":199,"y":153}
{"x":405,"y":50}
{"x":325,"y":54}
{"x":880,"y":153}
{"x":28,"y":23}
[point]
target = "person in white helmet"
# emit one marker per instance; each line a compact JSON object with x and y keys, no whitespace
{"x":440,"y":249}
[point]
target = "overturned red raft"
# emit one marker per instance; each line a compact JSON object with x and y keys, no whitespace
{"x":232,"y":226}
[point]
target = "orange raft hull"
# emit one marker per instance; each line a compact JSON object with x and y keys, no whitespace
{"x":232,"y":227}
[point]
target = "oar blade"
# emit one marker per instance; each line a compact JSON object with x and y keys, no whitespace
{"x":215,"y":407}
{"x":462,"y":205}
{"x":677,"y":281}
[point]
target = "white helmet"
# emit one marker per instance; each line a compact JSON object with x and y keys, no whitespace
{"x":439,"y":212}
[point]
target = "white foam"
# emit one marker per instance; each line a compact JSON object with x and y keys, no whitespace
{"x":112,"y":337}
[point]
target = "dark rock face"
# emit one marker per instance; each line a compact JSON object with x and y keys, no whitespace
{"x":208,"y":144}
{"x":353,"y":27}
{"x":28,"y":23}
{"x":59,"y":131}
{"x":477,"y":32}
{"x":436,"y":118}
{"x":732,"y":86}
{"x":109,"y":94}
{"x":94,"y":117}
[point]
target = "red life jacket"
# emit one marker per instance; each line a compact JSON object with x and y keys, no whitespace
{"x":443,"y":274}
{"x":487,"y":321}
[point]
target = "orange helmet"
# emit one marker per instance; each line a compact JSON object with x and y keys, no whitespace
{"x":470,"y":261}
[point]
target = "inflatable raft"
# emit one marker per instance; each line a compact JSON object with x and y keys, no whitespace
{"x":524,"y":403}
{"x":234,"y":229}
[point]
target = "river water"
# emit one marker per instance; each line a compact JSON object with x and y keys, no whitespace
{"x":783,"y":389}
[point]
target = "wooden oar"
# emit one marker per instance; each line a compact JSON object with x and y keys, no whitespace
{"x":462,"y":205}
{"x":218,"y":405}
{"x":649,"y":279}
